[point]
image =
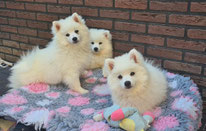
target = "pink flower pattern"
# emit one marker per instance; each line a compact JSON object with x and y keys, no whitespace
{"x":78,"y":101}
{"x":176,"y":93}
{"x":103,"y":80}
{"x":101,"y":100}
{"x":87,"y":111}
{"x":53,"y":95}
{"x":90,"y":125}
{"x":64,"y":109}
{"x":13,"y":99}
{"x":91,"y":80}
{"x":37,"y":88}
{"x":165,"y":122}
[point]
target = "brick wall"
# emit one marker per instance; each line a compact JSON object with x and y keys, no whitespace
{"x":171,"y":33}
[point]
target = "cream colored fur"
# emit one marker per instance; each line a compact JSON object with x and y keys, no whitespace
{"x":100,"y":39}
{"x":148,"y":84}
{"x":61,"y":61}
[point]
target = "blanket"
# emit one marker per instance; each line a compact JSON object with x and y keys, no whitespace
{"x":56,"y":107}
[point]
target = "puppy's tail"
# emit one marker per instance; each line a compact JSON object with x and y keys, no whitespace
{"x":21,"y":67}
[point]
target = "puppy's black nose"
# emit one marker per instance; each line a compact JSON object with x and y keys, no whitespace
{"x":127,"y":84}
{"x":96,"y":49}
{"x":74,"y":39}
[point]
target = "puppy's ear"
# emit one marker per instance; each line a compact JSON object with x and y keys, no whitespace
{"x":55,"y":26}
{"x":109,"y":65}
{"x":136,"y":56}
{"x":77,"y":18}
{"x":108,"y":35}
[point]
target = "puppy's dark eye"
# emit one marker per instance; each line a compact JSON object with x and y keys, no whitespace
{"x":120,"y":77}
{"x":76,"y":31}
{"x":132,"y":73}
{"x":100,"y":43}
{"x":67,"y":34}
{"x":92,"y":43}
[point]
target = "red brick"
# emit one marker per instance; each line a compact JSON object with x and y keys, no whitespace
{"x":11,"y":43}
{"x":196,"y":33}
{"x":44,"y":34}
{"x":85,"y":11}
{"x":36,"y":24}
{"x":187,"y":19}
{"x":19,"y":38}
{"x":26,"y":15}
{"x":200,"y":81}
{"x":17,"y":22}
{"x":3,"y":20}
{"x":5,"y":50}
{"x":46,"y":17}
{"x":25,"y":0}
{"x":198,"y":7}
{"x":114,"y":14}
{"x":46,"y":1}
{"x":7,"y":13}
{"x":38,"y":41}
{"x":17,"y":52}
{"x":120,"y":36}
{"x":26,"y":46}
{"x":189,"y":45}
{"x":107,"y":24}
{"x":179,"y":66}
{"x":155,"y":61}
{"x":15,"y":5}
{"x":166,"y":30}
{"x":131,"y":4}
{"x":4,"y":35}
{"x":2,"y":4}
{"x":58,"y":9}
{"x":149,"y":17}
{"x":99,"y":3}
{"x":169,"y":6}
{"x":127,"y":47}
{"x":205,"y":71}
{"x":27,"y":31}
{"x":72,"y":2}
{"x":11,"y":58}
{"x":165,"y":53}
{"x":2,"y":55}
{"x":8,"y":29}
{"x":35,"y":7}
{"x":195,"y":58}
{"x":147,"y":39}
{"x":130,"y":27}
{"x":117,"y":53}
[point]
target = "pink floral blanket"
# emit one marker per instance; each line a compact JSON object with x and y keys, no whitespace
{"x":56,"y":107}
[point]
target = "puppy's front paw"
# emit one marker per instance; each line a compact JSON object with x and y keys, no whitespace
{"x":82,"y":91}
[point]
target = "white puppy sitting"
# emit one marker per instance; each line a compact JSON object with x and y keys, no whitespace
{"x":101,"y":46}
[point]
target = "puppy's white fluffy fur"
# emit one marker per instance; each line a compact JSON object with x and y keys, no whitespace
{"x":148,"y":83}
{"x":101,"y":41}
{"x":61,"y":61}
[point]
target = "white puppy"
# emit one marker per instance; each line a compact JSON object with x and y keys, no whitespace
{"x":62,"y":60}
{"x":101,"y":46}
{"x":135,"y":82}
